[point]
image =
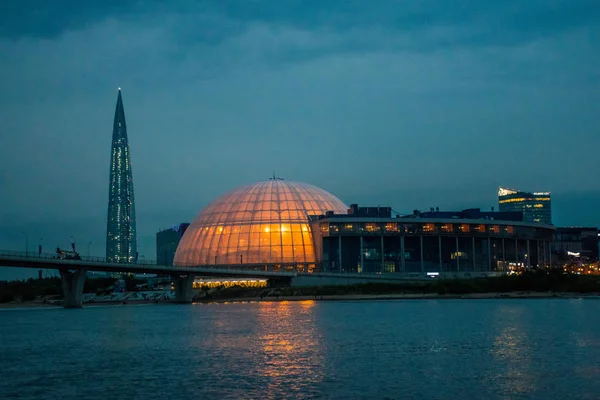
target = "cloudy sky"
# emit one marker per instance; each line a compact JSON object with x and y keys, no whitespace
{"x":413,"y":104}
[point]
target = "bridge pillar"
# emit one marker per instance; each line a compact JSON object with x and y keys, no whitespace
{"x":72,"y":285}
{"x":183,"y":288}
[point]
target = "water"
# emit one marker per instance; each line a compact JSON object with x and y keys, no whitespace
{"x":449,"y":349}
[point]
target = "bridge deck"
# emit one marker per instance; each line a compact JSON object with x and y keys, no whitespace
{"x":49,"y":261}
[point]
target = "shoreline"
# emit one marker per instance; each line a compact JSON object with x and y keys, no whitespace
{"x":37,"y":304}
{"x":409,"y":296}
{"x":340,"y":297}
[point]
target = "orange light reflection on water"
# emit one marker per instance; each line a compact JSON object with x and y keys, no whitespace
{"x":290,"y":356}
{"x":512,"y":349}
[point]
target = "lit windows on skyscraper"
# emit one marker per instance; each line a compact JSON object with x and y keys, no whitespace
{"x":121,"y":240}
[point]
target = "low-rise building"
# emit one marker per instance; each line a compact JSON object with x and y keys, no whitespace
{"x":577,"y":242}
{"x":370,"y":241}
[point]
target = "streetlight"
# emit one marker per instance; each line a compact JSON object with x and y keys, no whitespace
{"x":88,"y":253}
{"x":26,"y":242}
{"x":40,"y":247}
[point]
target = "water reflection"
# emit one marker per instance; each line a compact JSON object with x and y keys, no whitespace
{"x":511,"y":350}
{"x":291,"y":359}
{"x":332,"y":350}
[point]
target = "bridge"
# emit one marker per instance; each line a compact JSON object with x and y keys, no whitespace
{"x":73,"y":272}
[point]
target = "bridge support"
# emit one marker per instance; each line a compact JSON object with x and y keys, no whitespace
{"x":183,"y":288}
{"x":72,"y":285}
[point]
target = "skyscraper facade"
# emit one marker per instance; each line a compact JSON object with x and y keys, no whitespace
{"x":121,"y":240}
{"x":536,"y":207}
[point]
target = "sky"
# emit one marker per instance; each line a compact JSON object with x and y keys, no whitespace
{"x":411,"y":104}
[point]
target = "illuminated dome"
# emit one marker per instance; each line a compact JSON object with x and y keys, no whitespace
{"x":266,"y":222}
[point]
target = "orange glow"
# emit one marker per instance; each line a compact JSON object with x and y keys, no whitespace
{"x":371,"y":227}
{"x":428,"y":227}
{"x":287,"y":354}
{"x":447,"y":228}
{"x":391,"y":227}
{"x":307,"y":303}
{"x":265,"y":222}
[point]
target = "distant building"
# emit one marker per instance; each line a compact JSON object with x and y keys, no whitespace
{"x":578,"y":242}
{"x":121,"y":234}
{"x":167,"y":242}
{"x":470,"y":213}
{"x":536,"y":207}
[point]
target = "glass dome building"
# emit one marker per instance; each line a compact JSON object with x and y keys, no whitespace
{"x":267,"y":222}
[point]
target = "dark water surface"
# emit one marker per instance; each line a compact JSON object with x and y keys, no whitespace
{"x":449,"y":349}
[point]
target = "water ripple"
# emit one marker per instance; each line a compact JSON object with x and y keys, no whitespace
{"x":497,"y":349}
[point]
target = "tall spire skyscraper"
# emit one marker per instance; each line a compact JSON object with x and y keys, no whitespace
{"x":121,"y":239}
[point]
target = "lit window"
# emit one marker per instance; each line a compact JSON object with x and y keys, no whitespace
{"x":391,"y":227}
{"x":494,"y":229}
{"x":428,"y":227}
{"x":447,"y":228}
{"x":371,"y":227}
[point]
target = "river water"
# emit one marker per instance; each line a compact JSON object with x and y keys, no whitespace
{"x":415,"y":349}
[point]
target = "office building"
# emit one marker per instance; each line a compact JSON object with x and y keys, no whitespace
{"x":166,"y":243}
{"x":536,"y":207}
{"x":121,"y":240}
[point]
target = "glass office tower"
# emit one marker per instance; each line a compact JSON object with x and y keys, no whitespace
{"x":536,"y":207}
{"x":121,"y":241}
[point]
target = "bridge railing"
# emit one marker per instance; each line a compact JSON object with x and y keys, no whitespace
{"x":264,"y":267}
{"x":54,"y":256}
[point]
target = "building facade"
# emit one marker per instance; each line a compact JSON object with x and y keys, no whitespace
{"x":166,"y":243}
{"x":536,"y":207}
{"x":121,"y":234}
{"x":467,"y":241}
{"x":278,"y":225}
{"x":265,"y":223}
{"x":578,"y":242}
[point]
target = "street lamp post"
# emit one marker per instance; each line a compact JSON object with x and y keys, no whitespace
{"x":88,"y":252}
{"x":40,"y":247}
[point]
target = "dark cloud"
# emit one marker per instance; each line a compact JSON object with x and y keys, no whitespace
{"x":213,"y":21}
{"x":48,"y":19}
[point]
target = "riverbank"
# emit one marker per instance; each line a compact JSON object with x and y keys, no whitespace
{"x":531,"y":284}
{"x":346,"y":297}
{"x":37,"y":304}
{"x":409,"y":296}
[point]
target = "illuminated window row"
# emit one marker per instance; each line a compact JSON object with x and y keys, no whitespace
{"x":372,"y":227}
